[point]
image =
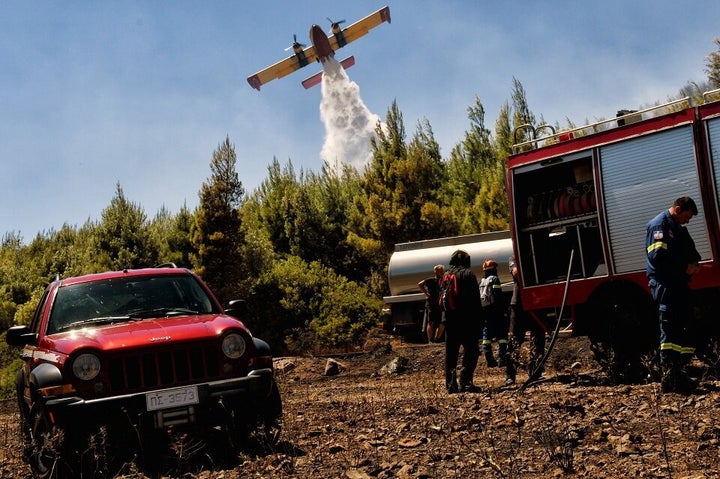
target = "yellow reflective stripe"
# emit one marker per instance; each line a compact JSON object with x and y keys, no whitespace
{"x":677,"y":348}
{"x":487,"y":341}
{"x":671,"y":347}
{"x":497,"y":286}
{"x":656,"y":245}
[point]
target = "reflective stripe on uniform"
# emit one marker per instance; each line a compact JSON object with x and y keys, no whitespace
{"x":656,"y":246}
{"x":677,"y":348}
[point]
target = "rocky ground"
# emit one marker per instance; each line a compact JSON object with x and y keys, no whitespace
{"x":385,"y":414}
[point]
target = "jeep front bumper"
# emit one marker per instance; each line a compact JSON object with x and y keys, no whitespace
{"x":172,"y":405}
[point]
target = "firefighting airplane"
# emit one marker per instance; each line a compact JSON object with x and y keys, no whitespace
{"x":323,"y":47}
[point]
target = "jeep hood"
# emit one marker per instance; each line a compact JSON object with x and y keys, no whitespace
{"x":146,"y":332}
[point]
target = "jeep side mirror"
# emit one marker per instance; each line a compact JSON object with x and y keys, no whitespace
{"x":20,"y":336}
{"x":236,"y":308}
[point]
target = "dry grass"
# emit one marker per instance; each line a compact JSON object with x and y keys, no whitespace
{"x":360,"y":424}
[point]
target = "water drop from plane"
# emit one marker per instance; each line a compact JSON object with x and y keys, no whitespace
{"x":349,"y":124}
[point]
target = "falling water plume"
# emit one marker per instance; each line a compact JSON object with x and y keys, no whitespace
{"x":349,"y":124}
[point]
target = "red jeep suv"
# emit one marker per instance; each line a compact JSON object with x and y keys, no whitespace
{"x":137,"y":354}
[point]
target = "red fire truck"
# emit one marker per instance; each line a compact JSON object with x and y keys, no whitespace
{"x":591,"y":190}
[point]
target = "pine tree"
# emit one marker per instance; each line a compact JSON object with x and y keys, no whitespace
{"x":401,"y":185}
{"x":216,"y":234}
{"x":123,"y":235}
{"x":712,"y":65}
{"x":476,"y":180}
{"x":276,"y":212}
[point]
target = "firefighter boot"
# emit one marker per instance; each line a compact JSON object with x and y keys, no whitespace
{"x":490,"y":358}
{"x":503,"y":354}
{"x":534,"y":368}
{"x":684,"y":384}
{"x":466,"y":383}
{"x":670,"y":373}
{"x":667,"y":382}
{"x":451,"y":383}
{"x":510,"y":371}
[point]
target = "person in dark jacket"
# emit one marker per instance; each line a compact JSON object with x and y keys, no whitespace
{"x":671,"y":261}
{"x":463,"y":325}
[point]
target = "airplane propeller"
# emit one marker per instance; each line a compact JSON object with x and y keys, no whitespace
{"x":295,"y":44}
{"x":335,"y":24}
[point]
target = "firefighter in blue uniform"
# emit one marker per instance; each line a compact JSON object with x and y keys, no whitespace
{"x":672,"y":260}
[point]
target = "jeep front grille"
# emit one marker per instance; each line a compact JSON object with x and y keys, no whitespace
{"x":167,"y":367}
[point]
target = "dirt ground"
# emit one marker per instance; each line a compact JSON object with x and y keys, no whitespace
{"x":365,"y":422}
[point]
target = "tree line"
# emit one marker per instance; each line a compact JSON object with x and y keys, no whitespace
{"x":307,"y":250}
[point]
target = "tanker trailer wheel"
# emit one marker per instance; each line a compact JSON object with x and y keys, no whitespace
{"x":623,"y":330}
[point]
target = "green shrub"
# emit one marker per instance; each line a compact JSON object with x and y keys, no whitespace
{"x":7,"y":313}
{"x":25,"y":311}
{"x":8,"y":374}
{"x":299,"y":306}
{"x":347,"y":312}
{"x":10,"y":364}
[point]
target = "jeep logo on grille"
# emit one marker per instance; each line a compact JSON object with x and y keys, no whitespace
{"x":157,"y":339}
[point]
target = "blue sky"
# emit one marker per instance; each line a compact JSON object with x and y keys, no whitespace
{"x":141,"y":93}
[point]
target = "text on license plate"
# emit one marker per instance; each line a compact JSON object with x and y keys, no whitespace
{"x":168,"y":398}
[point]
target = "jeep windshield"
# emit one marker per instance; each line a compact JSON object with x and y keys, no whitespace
{"x":128,"y":298}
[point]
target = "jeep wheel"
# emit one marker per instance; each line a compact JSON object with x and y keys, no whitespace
{"x":259,"y":420}
{"x":271,"y":417}
{"x":45,"y":456}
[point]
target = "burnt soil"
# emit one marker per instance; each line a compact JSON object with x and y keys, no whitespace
{"x":365,"y":422}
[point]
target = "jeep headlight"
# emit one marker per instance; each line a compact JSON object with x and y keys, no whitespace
{"x":86,"y":367}
{"x":233,"y":346}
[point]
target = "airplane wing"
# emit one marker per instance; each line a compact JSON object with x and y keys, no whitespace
{"x":359,"y":28}
{"x":283,"y":67}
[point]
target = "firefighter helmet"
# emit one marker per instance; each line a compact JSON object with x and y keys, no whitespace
{"x":489,"y":264}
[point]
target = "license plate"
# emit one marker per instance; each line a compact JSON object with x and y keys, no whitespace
{"x":169,"y":398}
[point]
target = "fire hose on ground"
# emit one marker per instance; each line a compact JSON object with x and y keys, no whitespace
{"x":534,"y":377}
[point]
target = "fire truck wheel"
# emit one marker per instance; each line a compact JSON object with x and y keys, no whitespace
{"x":705,"y":329}
{"x":623,"y":331}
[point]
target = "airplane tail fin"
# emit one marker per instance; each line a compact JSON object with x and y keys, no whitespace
{"x":317,"y":78}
